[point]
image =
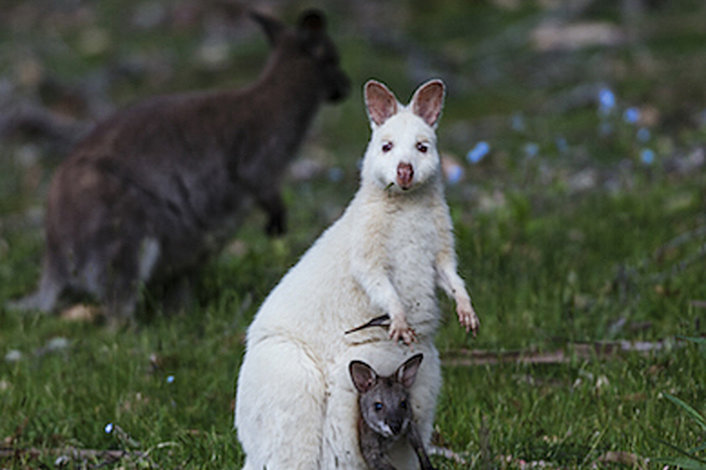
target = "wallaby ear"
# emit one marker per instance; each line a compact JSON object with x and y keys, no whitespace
{"x":380,"y":102}
{"x":428,"y":101}
{"x":407,"y":372}
{"x":272,"y":26}
{"x":363,"y":375}
{"x":313,"y":21}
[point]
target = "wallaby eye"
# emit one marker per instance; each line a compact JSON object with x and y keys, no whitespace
{"x":403,"y":404}
{"x":378,"y":406}
{"x":422,"y":147}
{"x":386,"y":146}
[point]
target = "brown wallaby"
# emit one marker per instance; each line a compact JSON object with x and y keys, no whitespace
{"x":385,"y":412}
{"x":156,"y":188}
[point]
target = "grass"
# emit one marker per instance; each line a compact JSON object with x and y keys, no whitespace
{"x":550,"y":262}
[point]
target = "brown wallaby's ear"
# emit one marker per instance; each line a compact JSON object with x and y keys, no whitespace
{"x":428,"y":101}
{"x":407,"y":372}
{"x":363,"y":375}
{"x":272,"y":26}
{"x":313,"y":21}
{"x":380,"y":102}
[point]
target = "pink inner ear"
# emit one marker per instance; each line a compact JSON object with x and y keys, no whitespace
{"x":363,"y":376}
{"x":380,"y":102}
{"x":428,"y":101}
{"x":407,"y":372}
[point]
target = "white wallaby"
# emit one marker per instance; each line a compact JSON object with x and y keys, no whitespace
{"x":296,"y":407}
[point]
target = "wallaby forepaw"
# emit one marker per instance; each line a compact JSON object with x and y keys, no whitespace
{"x":400,"y":330}
{"x":468,"y":319}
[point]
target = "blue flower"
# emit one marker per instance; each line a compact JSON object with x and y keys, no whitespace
{"x":531,"y":149}
{"x":561,"y":144}
{"x":108,"y":428}
{"x":631,"y":115}
{"x":518,"y":122}
{"x":170,"y":379}
{"x":335,"y":174}
{"x":647,"y":156}
{"x":606,"y":100}
{"x":478,"y":152}
{"x":643,"y":134}
{"x":454,"y":173}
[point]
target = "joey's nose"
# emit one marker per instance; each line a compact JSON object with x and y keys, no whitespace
{"x":405,"y":175}
{"x":395,"y":426}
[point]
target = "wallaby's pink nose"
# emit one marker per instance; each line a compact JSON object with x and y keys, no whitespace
{"x":405,"y":175}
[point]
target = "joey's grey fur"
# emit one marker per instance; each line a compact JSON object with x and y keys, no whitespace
{"x":385,"y":412}
{"x":157,"y":187}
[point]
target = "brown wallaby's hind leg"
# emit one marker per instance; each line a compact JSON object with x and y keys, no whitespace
{"x":123,"y":271}
{"x":120,"y":300}
{"x":45,"y":297}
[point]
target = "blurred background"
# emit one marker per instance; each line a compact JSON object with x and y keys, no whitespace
{"x":573,"y":150}
{"x":595,"y":88}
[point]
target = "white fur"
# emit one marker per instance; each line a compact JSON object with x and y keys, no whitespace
{"x":296,"y":407}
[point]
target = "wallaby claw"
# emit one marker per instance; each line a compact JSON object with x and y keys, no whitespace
{"x":468,"y":319}
{"x":400,"y":330}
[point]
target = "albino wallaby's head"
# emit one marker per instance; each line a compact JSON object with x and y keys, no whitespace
{"x":384,"y":401}
{"x":402,"y":154}
{"x":309,"y":42}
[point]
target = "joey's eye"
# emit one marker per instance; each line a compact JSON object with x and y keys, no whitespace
{"x":422,"y":147}
{"x":386,"y":147}
{"x":378,"y":406}
{"x":403,"y":404}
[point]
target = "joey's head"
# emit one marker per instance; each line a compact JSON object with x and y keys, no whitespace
{"x":384,"y":401}
{"x":402,"y":153}
{"x":309,"y":45}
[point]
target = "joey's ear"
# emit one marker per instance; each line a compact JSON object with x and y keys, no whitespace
{"x":313,"y":21}
{"x":380,"y":102}
{"x":272,"y":26}
{"x":363,"y":375}
{"x":407,"y":372}
{"x":428,"y":101}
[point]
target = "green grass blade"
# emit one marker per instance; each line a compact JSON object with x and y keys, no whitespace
{"x":693,"y":339}
{"x":687,"y":463}
{"x":697,"y":449}
{"x":696,"y":416}
{"x":684,"y":454}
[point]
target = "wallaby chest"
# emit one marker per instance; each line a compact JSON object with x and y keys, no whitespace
{"x":411,"y":243}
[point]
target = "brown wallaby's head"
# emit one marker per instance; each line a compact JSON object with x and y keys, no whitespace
{"x":310,"y":40}
{"x":384,"y":401}
{"x":317,"y":44}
